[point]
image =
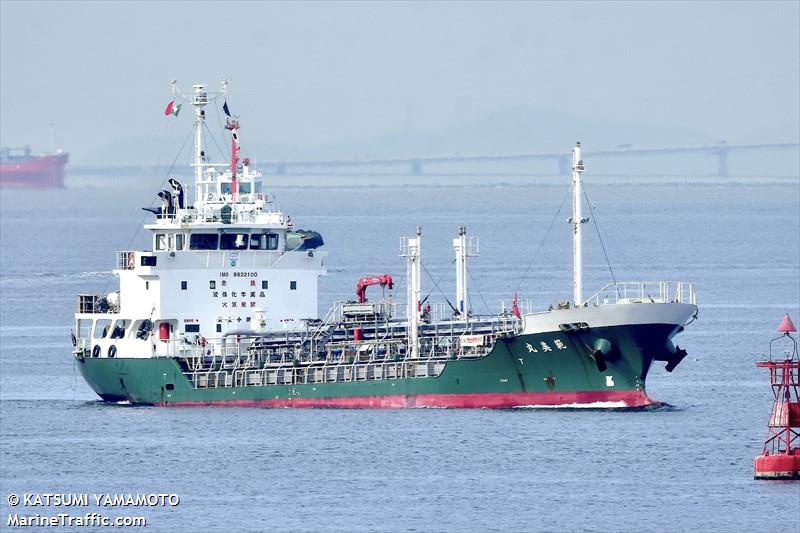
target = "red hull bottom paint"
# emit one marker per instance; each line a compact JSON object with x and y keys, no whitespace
{"x":461,"y":401}
{"x":778,"y":466}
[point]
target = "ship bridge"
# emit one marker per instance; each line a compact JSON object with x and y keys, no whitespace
{"x":228,"y":260}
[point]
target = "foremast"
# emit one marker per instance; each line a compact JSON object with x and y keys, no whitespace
{"x":577,"y":221}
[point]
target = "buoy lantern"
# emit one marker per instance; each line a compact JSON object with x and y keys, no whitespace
{"x":781,"y":456}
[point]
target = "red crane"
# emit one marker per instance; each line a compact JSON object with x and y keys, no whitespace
{"x":363,"y":283}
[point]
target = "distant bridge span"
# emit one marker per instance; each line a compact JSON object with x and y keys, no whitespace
{"x":416,"y":164}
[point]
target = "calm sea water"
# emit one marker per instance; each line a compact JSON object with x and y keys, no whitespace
{"x":685,"y":467}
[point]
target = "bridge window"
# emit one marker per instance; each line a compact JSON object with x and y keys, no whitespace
{"x":225,"y":188}
{"x":141,"y":329}
{"x":179,"y":241}
{"x":244,"y":188}
{"x":192,"y":328}
{"x":203,"y":241}
{"x":149,"y":260}
{"x":233,"y":241}
{"x":101,"y":328}
{"x":84,"y":328}
{"x":119,"y":329}
{"x":161,"y":241}
{"x":264,"y":241}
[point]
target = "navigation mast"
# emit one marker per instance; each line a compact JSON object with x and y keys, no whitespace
{"x":199,"y":99}
{"x":576,"y":221}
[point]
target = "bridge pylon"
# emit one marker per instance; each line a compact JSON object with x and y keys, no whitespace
{"x":722,"y":162}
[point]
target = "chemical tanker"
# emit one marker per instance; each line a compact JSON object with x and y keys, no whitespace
{"x":222,"y":310}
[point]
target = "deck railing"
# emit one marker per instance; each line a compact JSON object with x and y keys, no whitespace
{"x":644,"y":292}
{"x":296,"y":375}
{"x":214,"y":213}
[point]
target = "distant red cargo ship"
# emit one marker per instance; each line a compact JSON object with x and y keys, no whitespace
{"x":20,"y":169}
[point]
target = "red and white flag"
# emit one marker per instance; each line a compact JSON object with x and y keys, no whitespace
{"x":172,"y":109}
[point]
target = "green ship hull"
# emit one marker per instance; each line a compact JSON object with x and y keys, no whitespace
{"x":542,"y":369}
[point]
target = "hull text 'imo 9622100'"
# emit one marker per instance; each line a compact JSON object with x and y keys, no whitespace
{"x":222,"y":310}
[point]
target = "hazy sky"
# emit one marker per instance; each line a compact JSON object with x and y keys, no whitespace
{"x":321,"y":73}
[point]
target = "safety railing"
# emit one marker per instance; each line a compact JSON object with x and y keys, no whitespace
{"x":213,"y":212}
{"x":525,"y":306}
{"x":298,"y":375}
{"x":198,"y":347}
{"x":628,"y":292}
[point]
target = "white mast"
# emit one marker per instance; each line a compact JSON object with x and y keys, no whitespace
{"x":410,"y":249}
{"x":464,"y":247}
{"x":199,"y":101}
{"x":576,"y":221}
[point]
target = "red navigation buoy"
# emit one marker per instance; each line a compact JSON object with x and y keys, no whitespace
{"x":781,"y":456}
{"x":787,"y":326}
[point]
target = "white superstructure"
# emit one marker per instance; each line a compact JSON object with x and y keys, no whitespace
{"x":232,"y":261}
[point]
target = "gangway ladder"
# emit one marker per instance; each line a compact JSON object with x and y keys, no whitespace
{"x":325,"y":328}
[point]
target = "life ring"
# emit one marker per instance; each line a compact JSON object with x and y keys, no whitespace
{"x":112,"y":351}
{"x":96,"y":351}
